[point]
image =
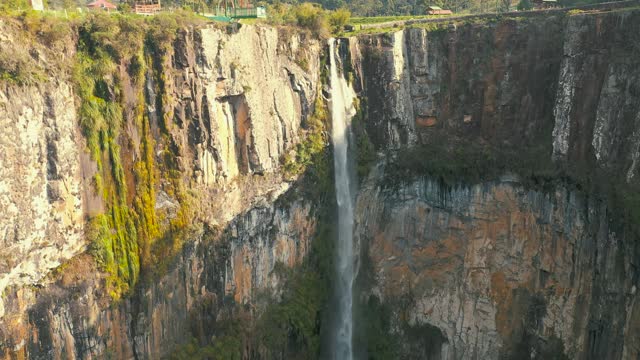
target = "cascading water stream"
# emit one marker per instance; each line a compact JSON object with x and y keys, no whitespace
{"x":342,"y":110}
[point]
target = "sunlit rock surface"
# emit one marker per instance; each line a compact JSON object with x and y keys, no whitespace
{"x":236,"y":101}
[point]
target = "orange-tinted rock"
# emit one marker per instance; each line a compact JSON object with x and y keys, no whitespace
{"x":426,"y":121}
{"x":486,"y":263}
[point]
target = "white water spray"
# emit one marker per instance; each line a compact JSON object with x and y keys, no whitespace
{"x":342,"y":110}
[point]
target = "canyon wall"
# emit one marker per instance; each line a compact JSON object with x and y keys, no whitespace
{"x":502,"y":271}
{"x":221,"y":107}
{"x":489,"y":214}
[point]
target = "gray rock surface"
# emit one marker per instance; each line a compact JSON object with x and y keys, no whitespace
{"x":41,"y":222}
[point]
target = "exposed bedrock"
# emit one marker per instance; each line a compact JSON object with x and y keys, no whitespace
{"x":225,"y":105}
{"x":503,"y":268}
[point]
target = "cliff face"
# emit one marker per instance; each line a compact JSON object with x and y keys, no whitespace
{"x":72,"y":317}
{"x":221,"y":108}
{"x":502,"y":270}
{"x":41,"y":191}
{"x":496,"y":218}
{"x":503,"y":266}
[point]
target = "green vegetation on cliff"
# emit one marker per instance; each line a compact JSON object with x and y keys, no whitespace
{"x":365,"y":152}
{"x":473,"y":163}
{"x":17,"y":64}
{"x":114,"y":53}
{"x":114,"y":235}
{"x":296,"y":321}
{"x":310,"y":150}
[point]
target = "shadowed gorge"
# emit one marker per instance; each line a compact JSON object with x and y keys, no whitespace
{"x":182,"y":189}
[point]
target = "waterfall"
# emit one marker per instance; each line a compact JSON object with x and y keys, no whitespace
{"x":342,"y":110}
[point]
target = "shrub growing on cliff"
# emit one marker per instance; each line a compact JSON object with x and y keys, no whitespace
{"x":292,"y":323}
{"x":48,"y":29}
{"x":309,"y":16}
{"x":19,"y":68}
{"x":312,"y":17}
{"x":338,"y":19}
{"x":365,"y":152}
{"x":225,"y":348}
{"x":38,"y":48}
{"x":308,"y":153}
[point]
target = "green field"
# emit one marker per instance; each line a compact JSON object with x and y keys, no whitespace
{"x":383,"y":19}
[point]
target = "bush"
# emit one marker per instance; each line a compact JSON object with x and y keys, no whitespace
{"x":525,"y":5}
{"x":225,"y":348}
{"x":12,"y":5}
{"x":309,"y":152}
{"x":19,"y":68}
{"x":338,"y":19}
{"x":125,"y":8}
{"x":309,"y":16}
{"x":312,"y":17}
{"x":54,"y":31}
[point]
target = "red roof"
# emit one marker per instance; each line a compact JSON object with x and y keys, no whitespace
{"x":102,"y":4}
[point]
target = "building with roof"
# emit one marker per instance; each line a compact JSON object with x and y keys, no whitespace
{"x":437,"y":10}
{"x":147,"y":7}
